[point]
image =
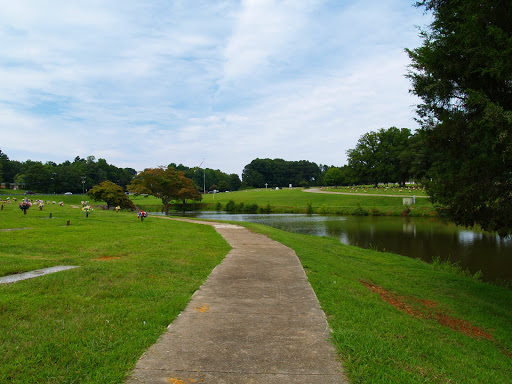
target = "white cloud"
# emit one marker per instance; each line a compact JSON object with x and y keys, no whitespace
{"x":146,"y":84}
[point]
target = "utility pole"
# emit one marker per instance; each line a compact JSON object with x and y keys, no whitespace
{"x":54,"y":178}
{"x":204,"y":176}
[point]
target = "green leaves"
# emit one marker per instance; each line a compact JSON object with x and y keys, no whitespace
{"x":463,"y":74}
{"x":166,"y":184}
{"x":112,"y":194}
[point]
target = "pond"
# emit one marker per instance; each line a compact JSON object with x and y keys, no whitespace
{"x":416,"y":237}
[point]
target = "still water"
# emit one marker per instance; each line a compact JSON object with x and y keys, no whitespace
{"x":423,"y":238}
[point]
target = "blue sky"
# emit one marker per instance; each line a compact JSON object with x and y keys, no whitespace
{"x":144,"y":84}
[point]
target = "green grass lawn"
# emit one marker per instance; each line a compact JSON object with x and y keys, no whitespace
{"x":91,"y":324}
{"x":297,"y":201}
{"x":381,"y":190}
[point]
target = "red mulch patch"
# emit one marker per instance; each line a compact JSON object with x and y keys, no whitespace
{"x":426,"y":309}
{"x":107,"y":258}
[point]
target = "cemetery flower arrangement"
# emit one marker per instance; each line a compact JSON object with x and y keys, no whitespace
{"x":87,"y":209}
{"x":24,"y":205}
{"x":142,"y":214}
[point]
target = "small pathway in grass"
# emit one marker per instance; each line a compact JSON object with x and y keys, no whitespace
{"x":255,"y":320}
{"x":316,"y":190}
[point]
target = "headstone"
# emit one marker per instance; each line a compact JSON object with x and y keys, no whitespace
{"x":408,"y":201}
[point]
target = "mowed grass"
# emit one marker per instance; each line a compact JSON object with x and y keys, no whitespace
{"x":399,"y":320}
{"x":91,"y":324}
{"x":297,"y":201}
{"x":408,"y":191}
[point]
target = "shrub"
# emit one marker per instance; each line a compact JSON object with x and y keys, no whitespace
{"x":251,"y":208}
{"x":267,"y":209}
{"x":360,"y":211}
{"x":230,"y":206}
{"x":323,"y":210}
{"x":309,"y":207}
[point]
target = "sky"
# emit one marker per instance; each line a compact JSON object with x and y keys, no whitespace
{"x":146,"y":83}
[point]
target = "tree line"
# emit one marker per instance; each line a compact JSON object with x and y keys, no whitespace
{"x":77,"y":176}
{"x":210,"y":179}
{"x":261,"y":173}
{"x":390,"y":155}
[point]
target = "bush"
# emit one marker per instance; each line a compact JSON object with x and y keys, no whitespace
{"x":251,"y":208}
{"x":309,"y":207}
{"x":267,"y":209}
{"x":323,"y":210}
{"x":360,"y":211}
{"x":230,"y":206}
{"x":376,"y":212}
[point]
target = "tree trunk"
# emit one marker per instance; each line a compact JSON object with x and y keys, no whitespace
{"x":166,"y":206}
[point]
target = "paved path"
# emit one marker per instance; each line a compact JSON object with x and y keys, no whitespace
{"x":255,"y":320}
{"x":316,"y":190}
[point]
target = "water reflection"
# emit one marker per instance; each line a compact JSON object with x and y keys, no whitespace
{"x":423,"y":238}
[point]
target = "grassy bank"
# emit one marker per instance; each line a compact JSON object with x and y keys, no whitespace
{"x":410,"y":190}
{"x":399,"y":320}
{"x":91,"y":324}
{"x":298,"y":201}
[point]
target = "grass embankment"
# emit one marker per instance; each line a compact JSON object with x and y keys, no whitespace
{"x":399,"y":320}
{"x":91,"y":324}
{"x":411,"y":190}
{"x":299,"y":201}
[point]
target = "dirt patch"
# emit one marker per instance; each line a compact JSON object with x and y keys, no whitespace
{"x":103,"y":258}
{"x":426,"y":309}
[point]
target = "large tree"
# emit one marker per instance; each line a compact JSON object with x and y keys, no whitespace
{"x":463,"y":74}
{"x":166,"y":184}
{"x":112,"y":194}
{"x":379,"y":156}
{"x":336,"y":176}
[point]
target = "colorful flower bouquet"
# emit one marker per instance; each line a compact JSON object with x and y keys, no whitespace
{"x":87,"y":209}
{"x":24,"y":205}
{"x":142,"y":215}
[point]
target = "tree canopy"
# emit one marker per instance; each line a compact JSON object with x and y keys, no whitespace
{"x":206,"y":177}
{"x":336,"y":176}
{"x":76,"y":177}
{"x":463,"y":75}
{"x":166,"y":184}
{"x":112,"y":194}
{"x":280,"y":173}
{"x":381,"y":156}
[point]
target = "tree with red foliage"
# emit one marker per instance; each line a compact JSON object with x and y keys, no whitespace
{"x":166,"y":184}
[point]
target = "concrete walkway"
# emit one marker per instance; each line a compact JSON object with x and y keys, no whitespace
{"x":255,"y":320}
{"x":316,"y":190}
